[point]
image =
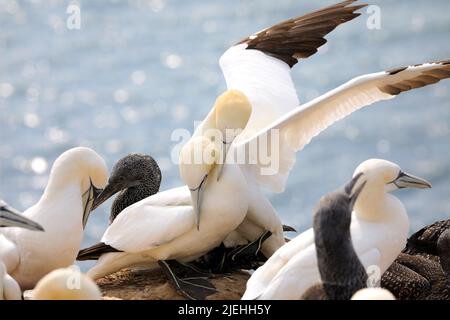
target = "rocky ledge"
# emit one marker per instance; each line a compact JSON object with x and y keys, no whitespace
{"x":153,"y":285}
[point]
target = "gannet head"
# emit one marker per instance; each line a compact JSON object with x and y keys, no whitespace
{"x":335,"y":209}
{"x":373,"y":294}
{"x":66,"y":284}
{"x":385,"y":176}
{"x":197,"y":160}
{"x":10,"y":217}
{"x":233,"y":111}
{"x":82,"y":166}
{"x":130,"y":171}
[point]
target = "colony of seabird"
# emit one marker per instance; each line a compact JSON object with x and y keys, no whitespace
{"x":220,"y":219}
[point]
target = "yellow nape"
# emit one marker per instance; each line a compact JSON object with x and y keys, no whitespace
{"x":66,"y":284}
{"x":233,"y":110}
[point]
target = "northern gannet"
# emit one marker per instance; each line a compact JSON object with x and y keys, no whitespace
{"x":379,"y":229}
{"x":373,"y":294}
{"x":422,"y":270}
{"x":10,"y":217}
{"x":341,"y":272}
{"x":260,"y":67}
{"x":77,"y":176}
{"x":169,"y":226}
{"x":66,"y":284}
{"x":136,"y":177}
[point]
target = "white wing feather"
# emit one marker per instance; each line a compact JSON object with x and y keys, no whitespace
{"x":266,"y":81}
{"x":152,"y":222}
{"x":298,"y":127}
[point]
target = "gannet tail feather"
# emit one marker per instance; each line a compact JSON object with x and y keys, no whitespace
{"x":94,"y":252}
{"x":301,"y":37}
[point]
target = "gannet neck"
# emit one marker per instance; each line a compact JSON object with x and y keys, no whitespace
{"x":77,"y":165}
{"x":131,"y":195}
{"x":375,"y":205}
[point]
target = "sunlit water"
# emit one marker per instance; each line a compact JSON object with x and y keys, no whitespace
{"x":137,"y":70}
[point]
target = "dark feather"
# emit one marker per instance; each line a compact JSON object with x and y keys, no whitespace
{"x":302,"y":36}
{"x":94,"y":252}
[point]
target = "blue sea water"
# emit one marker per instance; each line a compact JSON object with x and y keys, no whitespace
{"x":137,"y":70}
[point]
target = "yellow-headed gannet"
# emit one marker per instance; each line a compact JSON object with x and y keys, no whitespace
{"x":261,"y":71}
{"x":259,"y":66}
{"x":171,"y":226}
{"x":379,"y":229}
{"x":77,"y":176}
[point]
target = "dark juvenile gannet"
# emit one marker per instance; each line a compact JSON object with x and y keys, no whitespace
{"x":10,"y":217}
{"x":379,"y":229}
{"x":422,"y":270}
{"x":76,"y":178}
{"x":134,"y":177}
{"x":341,"y":271}
{"x":444,"y":252}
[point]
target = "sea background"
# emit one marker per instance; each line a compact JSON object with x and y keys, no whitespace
{"x":138,"y":70}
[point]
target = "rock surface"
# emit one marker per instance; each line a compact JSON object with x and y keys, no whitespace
{"x":153,"y":285}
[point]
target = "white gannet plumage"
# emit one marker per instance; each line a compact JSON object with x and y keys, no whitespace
{"x":379,"y":229}
{"x":184,"y":224}
{"x":259,"y":67}
{"x":75,"y":179}
{"x":300,"y":125}
{"x":10,"y":217}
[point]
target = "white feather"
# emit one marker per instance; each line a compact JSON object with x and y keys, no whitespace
{"x":299,"y":126}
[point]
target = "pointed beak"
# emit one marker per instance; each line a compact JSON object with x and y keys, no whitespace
{"x":405,"y":180}
{"x":197,"y":198}
{"x":109,"y":190}
{"x":10,"y":217}
{"x":89,"y":198}
{"x":354,"y":194}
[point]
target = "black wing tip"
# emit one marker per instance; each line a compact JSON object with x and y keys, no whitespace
{"x":326,"y":20}
{"x":394,"y":71}
{"x":440,"y":71}
{"x":94,"y":252}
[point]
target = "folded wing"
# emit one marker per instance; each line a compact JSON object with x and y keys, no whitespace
{"x":151,"y":222}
